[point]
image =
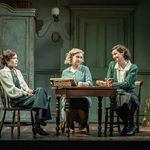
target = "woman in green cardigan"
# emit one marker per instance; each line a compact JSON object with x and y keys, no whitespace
{"x":123,"y":74}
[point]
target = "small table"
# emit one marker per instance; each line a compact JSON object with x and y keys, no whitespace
{"x":95,"y":91}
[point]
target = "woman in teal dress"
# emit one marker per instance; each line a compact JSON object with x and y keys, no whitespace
{"x":20,"y":94}
{"x":123,"y":74}
{"x":79,"y":106}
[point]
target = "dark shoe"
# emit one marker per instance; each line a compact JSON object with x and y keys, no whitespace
{"x":41,"y":122}
{"x":131,"y":131}
{"x":39,"y":130}
{"x":124,"y":131}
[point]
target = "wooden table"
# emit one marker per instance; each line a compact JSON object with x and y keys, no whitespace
{"x":99,"y":92}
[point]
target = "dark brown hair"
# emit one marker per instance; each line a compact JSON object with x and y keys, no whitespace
{"x":123,"y":49}
{"x":6,"y":55}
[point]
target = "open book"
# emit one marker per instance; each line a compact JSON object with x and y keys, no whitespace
{"x":62,"y":82}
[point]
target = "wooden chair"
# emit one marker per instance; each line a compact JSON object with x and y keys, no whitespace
{"x":63,"y":126}
{"x":117,"y":123}
{"x":76,"y":125}
{"x":15,"y":120}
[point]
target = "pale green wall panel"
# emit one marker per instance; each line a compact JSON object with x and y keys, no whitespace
{"x":17,"y":32}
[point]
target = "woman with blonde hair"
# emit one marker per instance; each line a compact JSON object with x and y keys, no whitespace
{"x":79,"y":106}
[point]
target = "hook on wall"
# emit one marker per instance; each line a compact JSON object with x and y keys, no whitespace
{"x":55,"y":37}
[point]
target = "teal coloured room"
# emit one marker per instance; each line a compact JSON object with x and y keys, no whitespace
{"x":94,"y":26}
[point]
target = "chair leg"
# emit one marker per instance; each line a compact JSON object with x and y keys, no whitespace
{"x":118,"y":123}
{"x":13,"y":122}
{"x":137,"y":120}
{"x":32,"y":119}
{"x":106,"y":122}
{"x":2,"y":122}
{"x":17,"y":124}
{"x":87,"y":129}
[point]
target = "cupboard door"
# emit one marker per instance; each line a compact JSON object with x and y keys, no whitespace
{"x":17,"y":29}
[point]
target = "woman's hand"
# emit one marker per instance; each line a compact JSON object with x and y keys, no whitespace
{"x":107,"y":82}
{"x":30,"y":92}
{"x":82,"y":84}
{"x":100,"y":83}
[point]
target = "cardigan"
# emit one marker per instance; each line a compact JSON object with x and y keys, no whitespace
{"x":129,"y":79}
{"x":82,"y":74}
{"x":7,"y":82}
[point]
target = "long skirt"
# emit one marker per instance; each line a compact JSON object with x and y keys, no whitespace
{"x":75,"y":103}
{"x":130,"y":98}
{"x":39,"y":100}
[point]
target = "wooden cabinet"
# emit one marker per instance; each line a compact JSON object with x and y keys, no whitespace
{"x":17,"y":29}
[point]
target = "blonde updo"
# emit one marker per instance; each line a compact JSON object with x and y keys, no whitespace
{"x":71,"y":53}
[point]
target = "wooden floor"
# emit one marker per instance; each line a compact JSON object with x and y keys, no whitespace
{"x":79,"y":140}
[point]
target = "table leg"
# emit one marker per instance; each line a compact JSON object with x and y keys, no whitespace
{"x":112,"y":106}
{"x":99,"y":115}
{"x":67,"y":109}
{"x":57,"y":114}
